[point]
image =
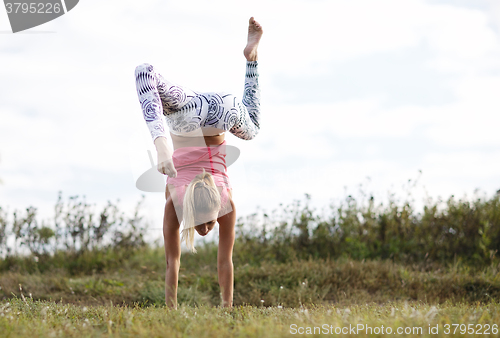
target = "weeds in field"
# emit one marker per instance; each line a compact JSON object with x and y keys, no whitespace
{"x":363,"y":263}
{"x":80,"y":241}
{"x":467,"y":231}
{"x":140,"y":280}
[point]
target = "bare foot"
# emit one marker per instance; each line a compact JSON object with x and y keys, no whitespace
{"x":254,"y":34}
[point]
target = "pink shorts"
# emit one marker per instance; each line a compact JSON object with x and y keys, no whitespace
{"x":190,"y":161}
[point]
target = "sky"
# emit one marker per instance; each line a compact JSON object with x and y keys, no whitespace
{"x":354,"y":93}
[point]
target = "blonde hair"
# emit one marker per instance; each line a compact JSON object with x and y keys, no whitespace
{"x":201,"y":196}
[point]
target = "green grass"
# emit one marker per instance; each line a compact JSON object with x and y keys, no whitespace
{"x":140,"y":280}
{"x":26,"y":317}
{"x":272,"y":299}
{"x":364,"y":264}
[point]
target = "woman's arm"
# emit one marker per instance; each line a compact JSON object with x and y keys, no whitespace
{"x":172,"y":240}
{"x":146,"y":83}
{"x":225,"y":256}
{"x":165,"y":164}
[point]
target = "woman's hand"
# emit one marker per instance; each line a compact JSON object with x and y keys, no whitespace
{"x":165,"y":163}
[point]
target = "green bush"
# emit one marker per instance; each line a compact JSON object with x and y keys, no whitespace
{"x":78,"y":241}
{"x":81,"y":242}
{"x":464,"y":230}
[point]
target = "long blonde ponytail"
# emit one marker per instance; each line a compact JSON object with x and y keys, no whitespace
{"x":201,"y":196}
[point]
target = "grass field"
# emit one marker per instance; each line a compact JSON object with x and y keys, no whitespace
{"x":366,"y":269}
{"x":28,"y":318}
{"x":311,"y":297}
{"x":140,"y":280}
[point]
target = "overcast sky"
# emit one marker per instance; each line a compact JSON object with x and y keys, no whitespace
{"x":353,"y":92}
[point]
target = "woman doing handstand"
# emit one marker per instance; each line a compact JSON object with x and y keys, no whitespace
{"x":198,"y":191}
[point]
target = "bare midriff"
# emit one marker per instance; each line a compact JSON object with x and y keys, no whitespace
{"x":181,"y":142}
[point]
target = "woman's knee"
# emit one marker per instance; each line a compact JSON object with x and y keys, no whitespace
{"x":143,"y":68}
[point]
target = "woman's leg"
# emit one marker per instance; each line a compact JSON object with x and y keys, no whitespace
{"x":243,"y":118}
{"x":172,"y":240}
{"x":158,"y":97}
{"x":187,"y":110}
{"x":247,"y":124}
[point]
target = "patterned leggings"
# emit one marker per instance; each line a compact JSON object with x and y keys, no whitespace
{"x":186,"y":111}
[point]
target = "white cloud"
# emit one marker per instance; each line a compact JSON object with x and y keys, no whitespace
{"x":474,"y":119}
{"x":460,"y":32}
{"x":454,"y":165}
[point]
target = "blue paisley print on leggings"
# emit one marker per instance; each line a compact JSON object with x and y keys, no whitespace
{"x":185,"y":110}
